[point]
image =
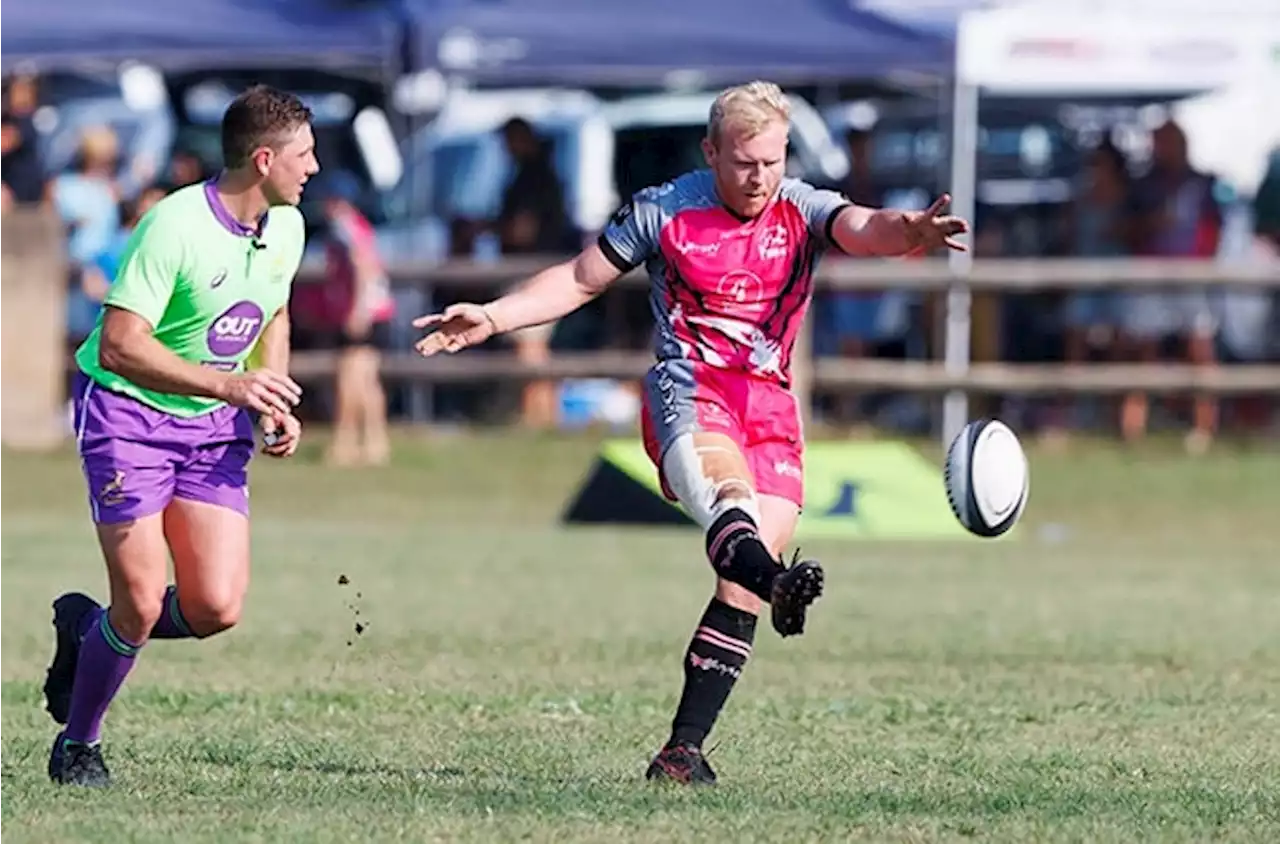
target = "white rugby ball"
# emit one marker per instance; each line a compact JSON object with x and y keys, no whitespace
{"x":987,"y":478}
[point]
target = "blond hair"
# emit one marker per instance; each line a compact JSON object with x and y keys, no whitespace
{"x":748,"y":109}
{"x":99,"y":144}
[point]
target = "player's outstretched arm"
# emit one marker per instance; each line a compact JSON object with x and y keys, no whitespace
{"x":548,"y":296}
{"x":870,"y":232}
{"x":129,"y":349}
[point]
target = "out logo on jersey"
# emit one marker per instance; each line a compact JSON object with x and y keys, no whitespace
{"x":235,"y":329}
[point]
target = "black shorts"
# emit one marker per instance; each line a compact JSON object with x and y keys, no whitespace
{"x":378,"y":337}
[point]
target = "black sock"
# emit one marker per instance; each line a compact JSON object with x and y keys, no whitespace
{"x":716,"y":656}
{"x":738,"y":555}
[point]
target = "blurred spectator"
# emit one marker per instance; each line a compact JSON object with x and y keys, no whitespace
{"x":84,"y":300}
{"x":1176,"y":216}
{"x":87,"y":202}
{"x":358,"y":306}
{"x":855,"y":313}
{"x":1096,"y":228}
{"x":186,"y":168}
{"x":853,"y":318}
{"x":533,"y":220}
{"x":131,"y":212}
{"x":24,"y":177}
{"x":1266,"y":205}
{"x":1266,"y":227}
{"x":533,"y":217}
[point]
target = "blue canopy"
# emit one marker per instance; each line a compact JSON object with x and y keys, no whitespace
{"x":940,"y":17}
{"x":639,"y":42}
{"x":185,"y":34}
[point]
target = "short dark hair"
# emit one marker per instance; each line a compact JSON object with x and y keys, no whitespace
{"x":1110,"y":155}
{"x":518,"y":126}
{"x":259,"y":116}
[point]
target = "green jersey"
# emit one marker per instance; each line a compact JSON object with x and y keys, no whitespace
{"x":207,"y":284}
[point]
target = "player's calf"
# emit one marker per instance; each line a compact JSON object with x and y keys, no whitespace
{"x":708,"y":473}
{"x":172,"y":623}
{"x":739,"y":555}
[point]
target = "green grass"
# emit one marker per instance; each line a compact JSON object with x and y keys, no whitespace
{"x":1118,"y":684}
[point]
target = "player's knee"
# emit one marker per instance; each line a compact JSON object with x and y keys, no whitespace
{"x":212,"y":614}
{"x":709,"y":479}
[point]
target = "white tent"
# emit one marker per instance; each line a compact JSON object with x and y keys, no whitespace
{"x":1087,"y":49}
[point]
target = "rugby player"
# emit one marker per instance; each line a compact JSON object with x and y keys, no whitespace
{"x":192,"y":342}
{"x":730,"y":251}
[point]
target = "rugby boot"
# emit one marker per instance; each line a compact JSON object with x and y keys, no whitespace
{"x":793,"y":591}
{"x":68,"y":612}
{"x":683,"y":763}
{"x":72,"y":763}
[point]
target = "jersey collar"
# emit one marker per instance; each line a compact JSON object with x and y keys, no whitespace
{"x":223,"y":215}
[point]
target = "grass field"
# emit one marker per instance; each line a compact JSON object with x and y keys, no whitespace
{"x":1121,"y":683}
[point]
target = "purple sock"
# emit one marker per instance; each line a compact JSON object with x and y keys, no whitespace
{"x":105,"y":660}
{"x":171,"y":624}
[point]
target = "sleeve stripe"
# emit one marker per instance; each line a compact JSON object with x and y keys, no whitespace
{"x":615,"y":257}
{"x":829,"y":228}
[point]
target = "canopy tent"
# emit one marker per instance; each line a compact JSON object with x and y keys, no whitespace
{"x":940,"y":17}
{"x":1090,"y":49}
{"x":610,"y":42}
{"x":67,"y":34}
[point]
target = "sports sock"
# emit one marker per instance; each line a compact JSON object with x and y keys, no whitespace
{"x":105,"y":660}
{"x":172,"y":625}
{"x":737,"y":554}
{"x":716,"y":656}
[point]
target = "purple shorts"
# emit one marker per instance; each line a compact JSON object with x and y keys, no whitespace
{"x":137,"y":459}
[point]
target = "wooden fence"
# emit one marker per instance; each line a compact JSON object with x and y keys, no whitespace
{"x":482,"y":280}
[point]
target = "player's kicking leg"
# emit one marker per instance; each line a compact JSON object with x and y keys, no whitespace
{"x":745,"y":534}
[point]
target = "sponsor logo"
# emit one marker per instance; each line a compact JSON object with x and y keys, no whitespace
{"x":235,"y":329}
{"x":112,"y":492}
{"x":742,"y":290}
{"x":786,"y":468}
{"x":710,"y":663}
{"x":667,"y":396}
{"x":689,"y":248}
{"x":1198,"y":51}
{"x":774,"y":243}
{"x":1054,"y":48}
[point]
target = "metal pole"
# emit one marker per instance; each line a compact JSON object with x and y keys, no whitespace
{"x":964,"y":185}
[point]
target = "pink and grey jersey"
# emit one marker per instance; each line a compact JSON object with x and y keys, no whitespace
{"x":726,"y":291}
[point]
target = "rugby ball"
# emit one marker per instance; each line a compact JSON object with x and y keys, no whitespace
{"x":987,"y":478}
